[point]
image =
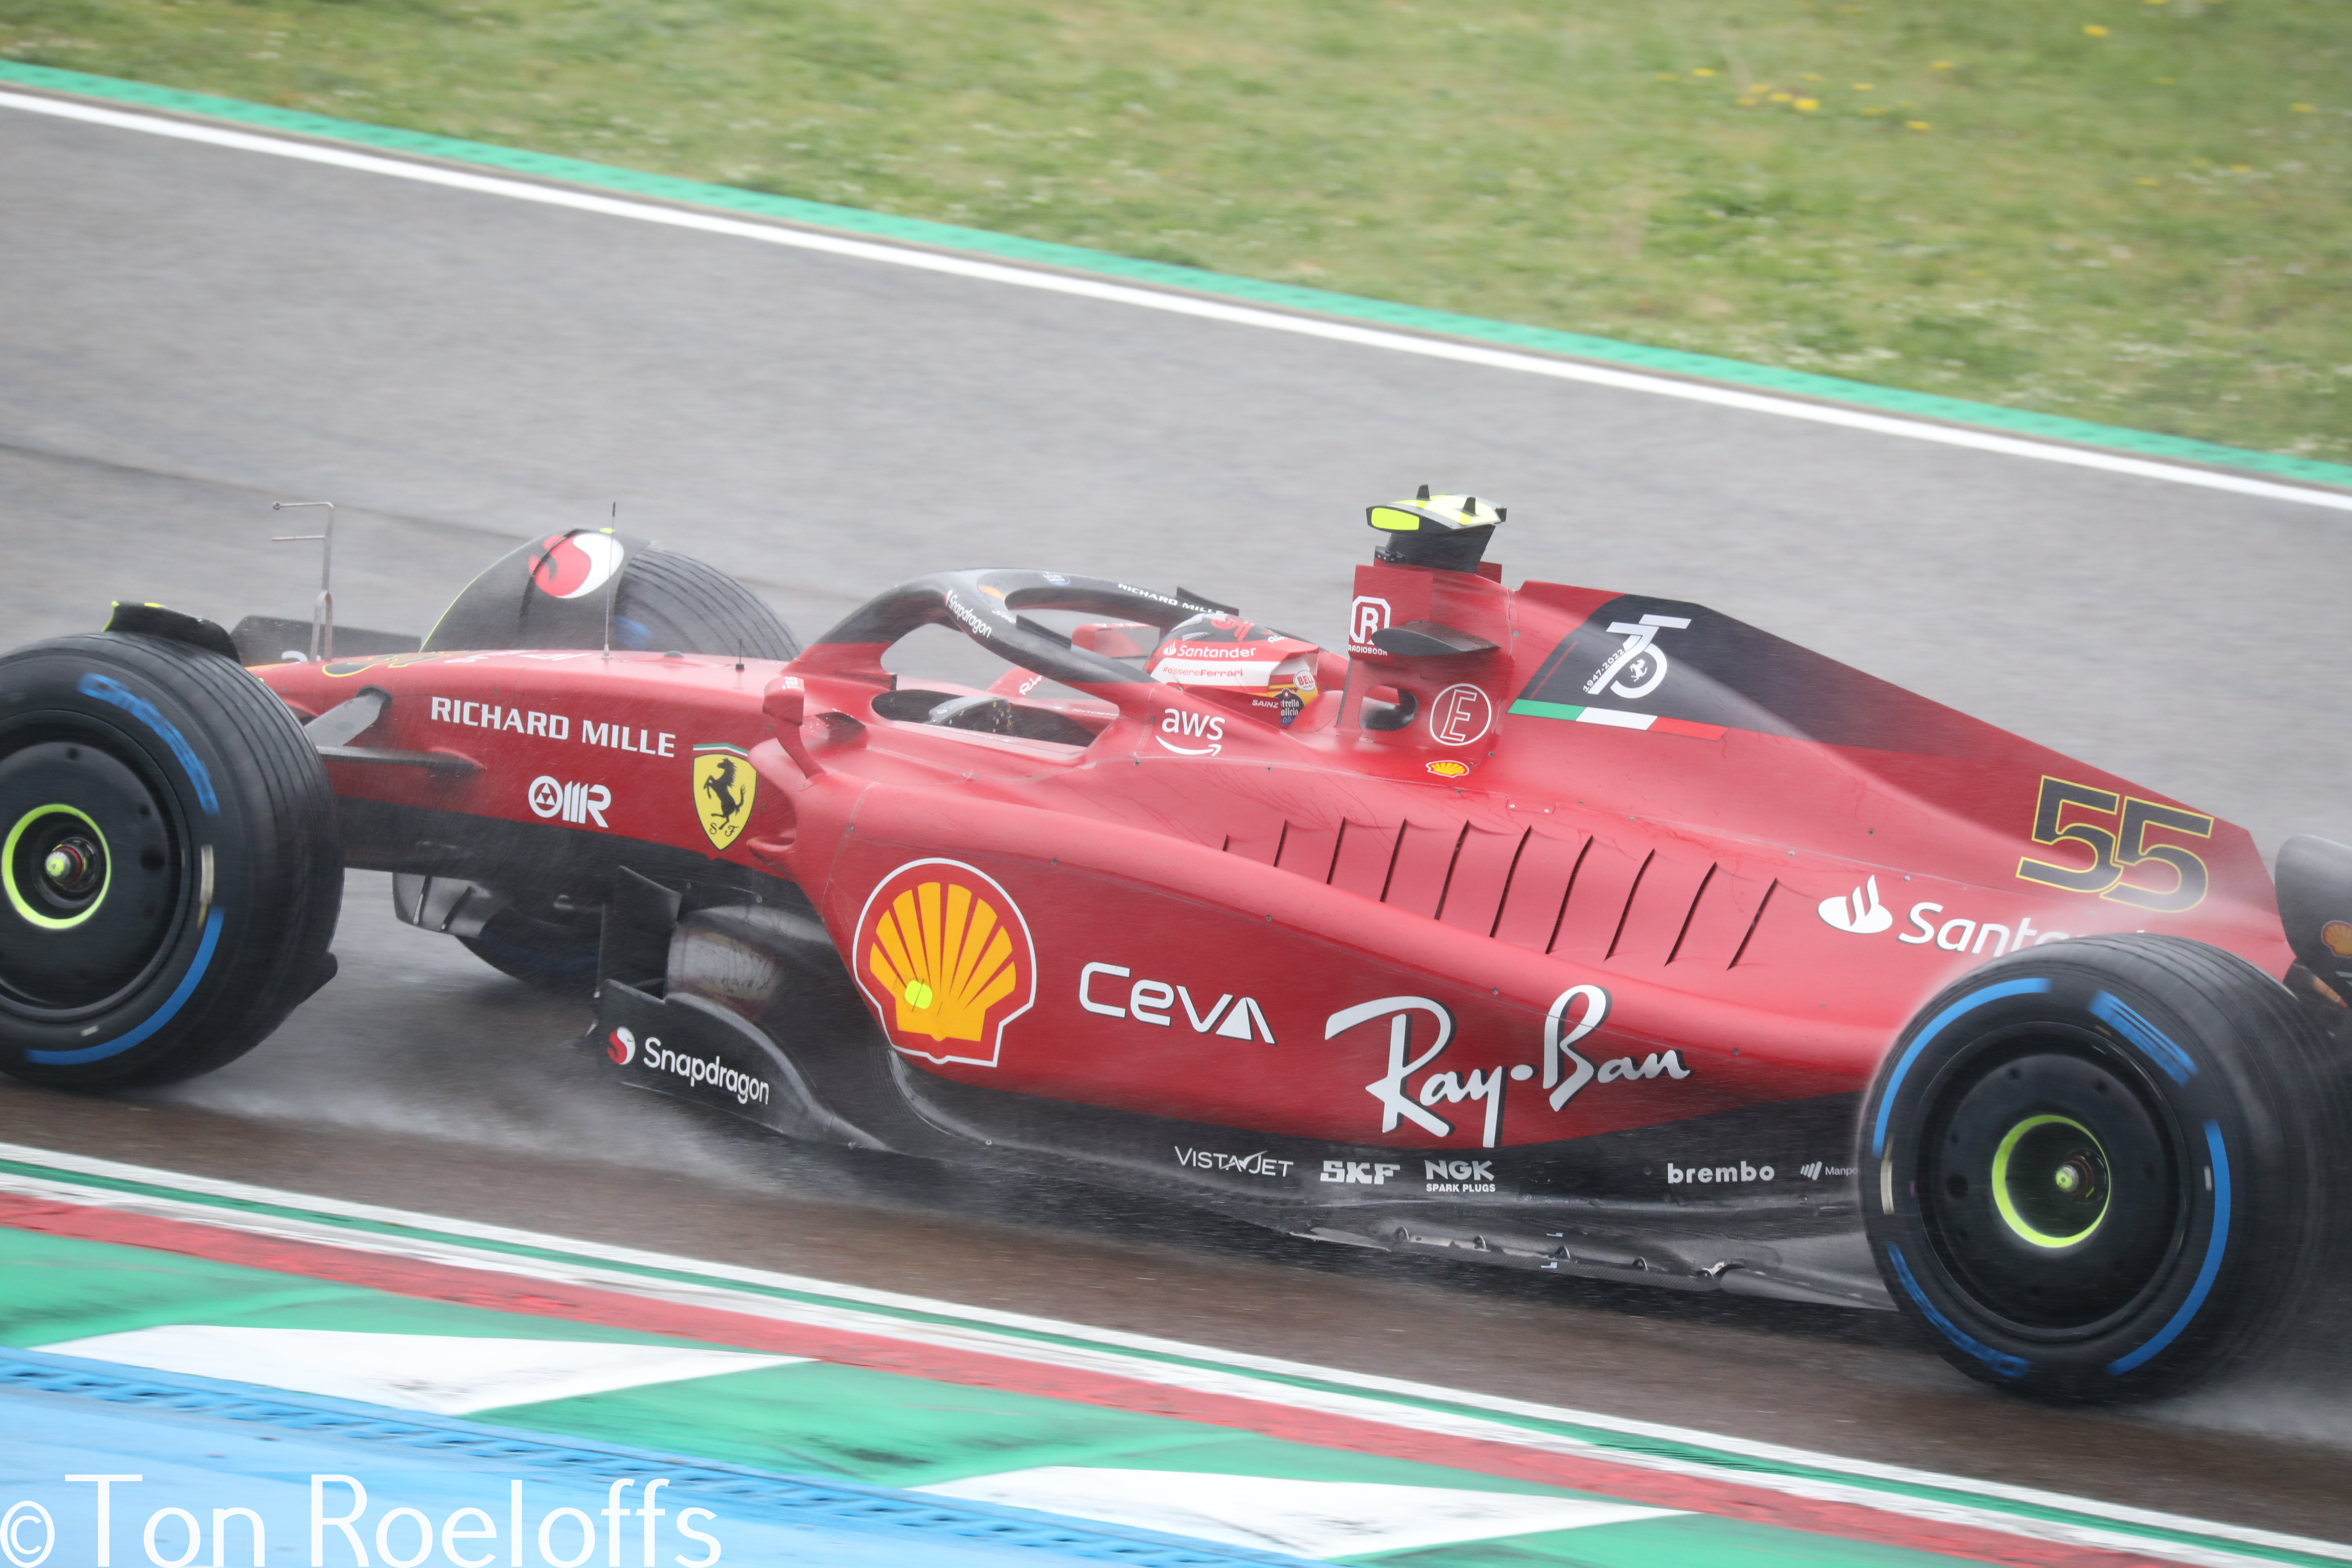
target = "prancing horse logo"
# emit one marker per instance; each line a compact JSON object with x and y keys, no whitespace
{"x":724,"y":785}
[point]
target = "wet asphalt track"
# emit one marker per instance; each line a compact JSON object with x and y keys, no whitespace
{"x":186,"y":333}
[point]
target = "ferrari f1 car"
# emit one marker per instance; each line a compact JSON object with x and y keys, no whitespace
{"x":1555,"y":927}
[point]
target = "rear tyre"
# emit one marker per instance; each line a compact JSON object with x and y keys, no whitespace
{"x":170,"y":873}
{"x":663,"y":602}
{"x":673,"y":602}
{"x":2101,"y":1170}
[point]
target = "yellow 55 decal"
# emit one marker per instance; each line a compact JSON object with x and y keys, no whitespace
{"x":2068,"y":813}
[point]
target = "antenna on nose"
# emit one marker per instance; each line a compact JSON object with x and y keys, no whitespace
{"x":323,"y":612}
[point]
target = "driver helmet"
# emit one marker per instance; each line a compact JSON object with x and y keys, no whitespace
{"x":1254,"y":666}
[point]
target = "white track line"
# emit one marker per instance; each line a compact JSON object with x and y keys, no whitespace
{"x":1125,"y":1356}
{"x":1181,"y":304}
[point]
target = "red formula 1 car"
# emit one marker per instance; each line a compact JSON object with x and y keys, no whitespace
{"x":1551,"y":927}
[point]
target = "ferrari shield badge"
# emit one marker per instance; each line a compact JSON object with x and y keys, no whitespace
{"x":723,"y":785}
{"x":945,"y":956}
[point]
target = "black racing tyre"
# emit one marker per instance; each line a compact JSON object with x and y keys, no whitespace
{"x":664,"y":603}
{"x":554,"y":956}
{"x":2101,"y":1170}
{"x":170,"y":871}
{"x":673,"y":602}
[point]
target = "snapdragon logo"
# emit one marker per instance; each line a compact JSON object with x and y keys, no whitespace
{"x":747,"y":1089}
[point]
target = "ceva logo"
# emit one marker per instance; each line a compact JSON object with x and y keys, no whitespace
{"x":1859,"y":911}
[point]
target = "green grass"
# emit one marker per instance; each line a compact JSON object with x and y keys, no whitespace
{"x":1982,"y":198}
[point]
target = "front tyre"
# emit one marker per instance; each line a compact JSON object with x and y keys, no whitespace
{"x":170,"y":873}
{"x":2099,"y":1171}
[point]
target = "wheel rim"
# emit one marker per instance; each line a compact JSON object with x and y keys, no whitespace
{"x":54,"y":866}
{"x":2050,"y":1180}
{"x":92,"y":879}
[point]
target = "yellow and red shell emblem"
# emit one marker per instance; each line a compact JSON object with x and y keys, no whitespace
{"x":1448,"y":768}
{"x":2337,"y":935}
{"x":945,"y":956}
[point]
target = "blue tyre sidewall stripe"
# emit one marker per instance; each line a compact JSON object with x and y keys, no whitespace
{"x":106,"y":689}
{"x":2168,"y":1058}
{"x":147,"y":1027}
{"x":2216,"y":1245}
{"x":2001,"y":1362}
{"x":1926,"y":1036}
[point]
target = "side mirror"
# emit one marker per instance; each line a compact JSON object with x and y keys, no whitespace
{"x":786,"y":706}
{"x":1387,"y":708}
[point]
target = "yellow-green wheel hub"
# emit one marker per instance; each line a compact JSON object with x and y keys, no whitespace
{"x":68,"y":881}
{"x":2050,"y":1182}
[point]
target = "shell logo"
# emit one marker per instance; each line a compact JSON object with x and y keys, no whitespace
{"x":945,"y":956}
{"x":1448,"y":768}
{"x":572,"y":565}
{"x":2337,"y":935}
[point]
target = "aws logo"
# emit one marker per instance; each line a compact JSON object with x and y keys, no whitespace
{"x":946,"y":957}
{"x":723,"y":786}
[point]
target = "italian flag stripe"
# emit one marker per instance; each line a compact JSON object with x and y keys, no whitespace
{"x":1617,"y":717}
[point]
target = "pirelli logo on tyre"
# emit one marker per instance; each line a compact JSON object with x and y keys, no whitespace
{"x":945,"y":956}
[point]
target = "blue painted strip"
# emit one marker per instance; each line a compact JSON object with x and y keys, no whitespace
{"x":1936,"y":1026}
{"x":2158,"y":1046}
{"x":2205,"y":1275}
{"x":2001,"y":1362}
{"x":106,"y":689}
{"x":155,"y":1020}
{"x":199,"y":1444}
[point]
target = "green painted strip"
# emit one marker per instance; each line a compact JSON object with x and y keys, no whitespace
{"x":818,"y":1419}
{"x":1690,"y":1540}
{"x":1602,"y":1440}
{"x":1546,"y":709}
{"x":1165,"y":275}
{"x":794,"y":1418}
{"x":895,"y":1430}
{"x":54,"y":1288}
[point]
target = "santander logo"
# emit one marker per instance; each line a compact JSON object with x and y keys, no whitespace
{"x":1863,"y":915}
{"x":622,"y":1047}
{"x":571,"y":566}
